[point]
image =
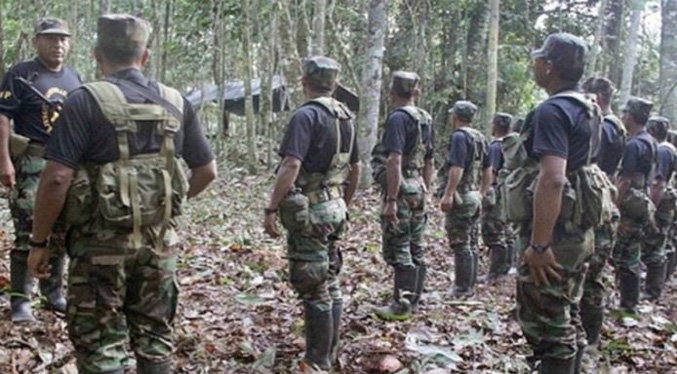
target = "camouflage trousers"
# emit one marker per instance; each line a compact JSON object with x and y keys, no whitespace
{"x":632,"y":231}
{"x":463,"y":223}
{"x":22,"y":202}
{"x":495,"y":233}
{"x":314,"y":258}
{"x":654,"y":252}
{"x":116,"y":292}
{"x":594,"y":287}
{"x":403,"y":243}
{"x":550,"y":315}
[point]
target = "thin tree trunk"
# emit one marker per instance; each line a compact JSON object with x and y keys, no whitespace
{"x":165,"y":39}
{"x":104,"y":6}
{"x":302,"y":29}
{"x":267,"y":94}
{"x":288,"y":53}
{"x":599,"y":36}
{"x":319,"y":12}
{"x":612,"y":40}
{"x":630,"y":59}
{"x":371,"y":81}
{"x":492,"y":58}
{"x":668,"y":60}
{"x":475,"y":49}
{"x":2,"y":44}
{"x":248,"y":103}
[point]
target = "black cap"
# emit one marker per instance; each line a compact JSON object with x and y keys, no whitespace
{"x":503,"y":121}
{"x":567,"y":53}
{"x":404,"y":82}
{"x":52,"y":26}
{"x":638,"y":108}
{"x":322,"y":71}
{"x":122,"y":31}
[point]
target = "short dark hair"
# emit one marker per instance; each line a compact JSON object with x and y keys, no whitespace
{"x":658,"y":127}
{"x":122,"y":55}
{"x":517,"y":125}
{"x":502,"y":122}
{"x":599,"y":86}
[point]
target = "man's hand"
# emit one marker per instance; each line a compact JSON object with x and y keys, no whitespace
{"x":446,"y":203}
{"x":270,"y":225}
{"x":38,"y":262}
{"x":390,"y":212}
{"x":542,"y":265}
{"x":7,"y":174}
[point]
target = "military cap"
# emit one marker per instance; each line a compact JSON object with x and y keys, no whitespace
{"x":662,"y":121}
{"x":52,"y":26}
{"x":567,"y":52}
{"x":464,"y":110}
{"x":322,"y":71}
{"x":503,"y":120}
{"x":638,"y":108}
{"x":122,"y":31}
{"x":404,"y":82}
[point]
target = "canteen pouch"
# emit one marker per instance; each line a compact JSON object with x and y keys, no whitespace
{"x":294,"y":212}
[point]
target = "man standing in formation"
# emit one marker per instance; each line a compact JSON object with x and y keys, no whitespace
{"x":315,"y":184}
{"x":125,"y":130}
{"x":408,"y":152}
{"x":468,"y":178}
{"x":22,"y":163}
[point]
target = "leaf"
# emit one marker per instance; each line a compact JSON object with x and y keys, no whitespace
{"x":266,"y":359}
{"x":249,"y":299}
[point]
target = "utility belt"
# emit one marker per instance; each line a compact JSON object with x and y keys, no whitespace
{"x":324,"y":194}
{"x":20,"y":145}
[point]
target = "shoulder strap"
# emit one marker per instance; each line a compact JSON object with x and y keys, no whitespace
{"x":593,"y":113}
{"x":617,"y":123}
{"x":336,"y":108}
{"x":152,"y":96}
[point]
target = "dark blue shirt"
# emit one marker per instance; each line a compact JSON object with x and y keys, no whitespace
{"x":560,"y":128}
{"x":611,"y":148}
{"x":496,"y":155}
{"x":32,"y":117}
{"x":666,"y":162}
{"x":461,"y":150}
{"x":639,"y":155}
{"x":401,"y":134}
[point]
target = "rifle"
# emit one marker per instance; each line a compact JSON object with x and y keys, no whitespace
{"x":55,"y":105}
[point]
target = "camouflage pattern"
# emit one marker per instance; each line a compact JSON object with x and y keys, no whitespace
{"x":52,"y":26}
{"x":635,"y":211}
{"x":495,"y":232}
{"x":656,"y":240}
{"x":122,"y":31}
{"x":322,"y":71}
{"x":465,"y":110}
{"x":549,"y":315}
{"x":115,"y":290}
{"x":594,"y":287}
{"x":403,"y":243}
{"x":462,"y":223}
{"x":404,"y":82}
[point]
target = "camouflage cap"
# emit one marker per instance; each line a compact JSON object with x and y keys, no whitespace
{"x":52,"y":26}
{"x":122,"y":31}
{"x":659,"y":120}
{"x":567,"y":52}
{"x":464,"y":110}
{"x":503,"y":120}
{"x":322,"y":71}
{"x":638,"y":108}
{"x":404,"y":82}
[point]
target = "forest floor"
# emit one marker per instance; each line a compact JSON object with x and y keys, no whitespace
{"x":237,"y":313}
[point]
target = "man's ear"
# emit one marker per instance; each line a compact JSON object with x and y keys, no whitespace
{"x":145,"y":57}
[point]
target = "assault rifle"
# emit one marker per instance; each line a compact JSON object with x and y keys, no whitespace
{"x":55,"y":105}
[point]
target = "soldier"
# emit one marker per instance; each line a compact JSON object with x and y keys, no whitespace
{"x":127,"y":131}
{"x":315,"y":184}
{"x":609,"y":157}
{"x":663,"y":195}
{"x":408,"y":150}
{"x":561,"y":139}
{"x":468,"y":178}
{"x":33,"y":123}
{"x":494,"y":228}
{"x":671,"y":246}
{"x":637,"y":210}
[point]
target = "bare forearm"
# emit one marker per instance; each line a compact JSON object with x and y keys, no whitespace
{"x":394,"y":174}
{"x":353,"y":182}
{"x":623,"y":187}
{"x":428,"y":170}
{"x":200,"y":178}
{"x":656,"y":192}
{"x":5,"y":130}
{"x":453,"y":178}
{"x":547,"y":206}
{"x":49,"y":200}
{"x":487,"y":180}
{"x":286,"y":176}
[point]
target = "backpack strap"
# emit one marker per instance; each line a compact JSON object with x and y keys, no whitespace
{"x":593,"y":113}
{"x":420,"y":116}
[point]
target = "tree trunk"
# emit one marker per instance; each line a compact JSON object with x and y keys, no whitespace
{"x":668,"y":60}
{"x":162,"y":65}
{"x":599,"y":36}
{"x":302,"y":28}
{"x":268,"y":70}
{"x":2,"y":45}
{"x":492,"y":58}
{"x":474,"y":64}
{"x":288,"y":52}
{"x":104,"y":6}
{"x":630,"y":59}
{"x":248,"y":103}
{"x":319,"y":11}
{"x":371,"y":82}
{"x":612,"y":38}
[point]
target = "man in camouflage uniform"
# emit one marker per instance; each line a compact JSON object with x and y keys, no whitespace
{"x":561,"y":139}
{"x":663,"y":195}
{"x":408,"y":152}
{"x":608,"y":159}
{"x":495,"y":230}
{"x":122,"y":286}
{"x":468,"y":178}
{"x":315,"y":184}
{"x":33,"y":122}
{"x":671,"y":245}
{"x":637,"y":210}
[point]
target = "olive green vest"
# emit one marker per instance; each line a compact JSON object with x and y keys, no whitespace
{"x":472,"y":177}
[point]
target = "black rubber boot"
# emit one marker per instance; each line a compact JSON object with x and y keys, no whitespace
{"x":475,"y":269}
{"x":557,"y":366}
{"x":499,"y":264}
{"x":144,"y":366}
{"x":403,"y":295}
{"x":422,"y":271}
{"x":629,"y":290}
{"x":653,"y":284}
{"x":463,"y":269}
{"x":336,"y":311}
{"x":52,"y":287}
{"x":21,"y":283}
{"x":318,"y":336}
{"x":671,"y":264}
{"x":578,"y":362}
{"x":592,"y":319}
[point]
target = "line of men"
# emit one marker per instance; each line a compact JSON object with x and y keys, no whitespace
{"x":569,"y":182}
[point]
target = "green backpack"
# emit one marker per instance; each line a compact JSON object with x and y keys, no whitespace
{"x":133,"y":191}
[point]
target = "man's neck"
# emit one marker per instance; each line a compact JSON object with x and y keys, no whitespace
{"x":558,"y":86}
{"x":108,"y":70}
{"x":399,"y":102}
{"x":634,"y":129}
{"x":51,"y":67}
{"x":606,"y":109}
{"x":315,"y":95}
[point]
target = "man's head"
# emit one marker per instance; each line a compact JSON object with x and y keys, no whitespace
{"x":561,"y":60}
{"x":636,"y":112}
{"x":658,"y":127}
{"x":320,"y":75}
{"x":122,"y":41}
{"x":517,"y":125}
{"x":405,"y":85}
{"x":52,"y":41}
{"x":501,"y":124}
{"x":462,"y":113}
{"x":601,"y":87}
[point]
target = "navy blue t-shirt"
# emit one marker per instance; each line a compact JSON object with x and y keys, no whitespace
{"x":311,"y":138}
{"x":32,"y":117}
{"x":611,"y":148}
{"x":666,"y":162}
{"x":401,"y":134}
{"x":560,"y":128}
{"x":496,"y":155}
{"x":461,"y":149}
{"x":638,"y":157}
